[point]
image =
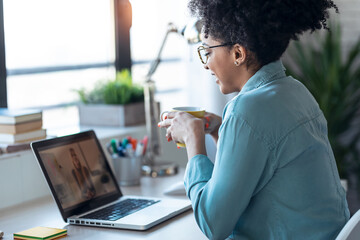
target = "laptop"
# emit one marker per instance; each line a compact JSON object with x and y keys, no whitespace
{"x":86,"y":191}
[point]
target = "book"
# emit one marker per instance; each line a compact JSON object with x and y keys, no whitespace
{"x":13,"y":116}
{"x":14,"y":147}
{"x":21,"y":127}
{"x":22,"y":137}
{"x":41,"y":233}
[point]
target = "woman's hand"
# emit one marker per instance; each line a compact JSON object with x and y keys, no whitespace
{"x":182,"y":127}
{"x":212,"y":124}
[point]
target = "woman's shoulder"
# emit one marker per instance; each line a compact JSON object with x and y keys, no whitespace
{"x":274,"y":99}
{"x":274,"y":107}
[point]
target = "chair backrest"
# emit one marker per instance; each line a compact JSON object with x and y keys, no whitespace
{"x":351,"y":230}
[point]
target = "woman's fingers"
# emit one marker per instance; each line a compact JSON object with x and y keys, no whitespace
{"x":178,"y":125}
{"x":212,"y":122}
{"x":168,"y":135}
{"x":165,"y":124}
{"x":167,"y":115}
{"x":171,"y":115}
{"x":207,"y":123}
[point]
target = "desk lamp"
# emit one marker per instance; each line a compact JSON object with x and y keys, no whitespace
{"x":191,"y":32}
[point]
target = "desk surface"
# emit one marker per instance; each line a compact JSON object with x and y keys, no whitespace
{"x":44,"y":212}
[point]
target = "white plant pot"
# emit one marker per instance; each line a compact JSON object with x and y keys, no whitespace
{"x":112,"y":115}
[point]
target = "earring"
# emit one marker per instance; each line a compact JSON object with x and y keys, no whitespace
{"x":236,"y":63}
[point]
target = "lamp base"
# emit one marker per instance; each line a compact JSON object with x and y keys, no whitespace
{"x":160,"y":169}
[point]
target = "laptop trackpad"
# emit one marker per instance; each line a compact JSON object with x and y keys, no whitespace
{"x":162,"y":210}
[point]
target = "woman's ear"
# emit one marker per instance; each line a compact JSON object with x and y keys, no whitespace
{"x":239,"y":54}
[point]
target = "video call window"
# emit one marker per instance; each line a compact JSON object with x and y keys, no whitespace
{"x":77,"y":172}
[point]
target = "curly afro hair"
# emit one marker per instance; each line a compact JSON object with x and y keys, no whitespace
{"x":263,"y":27}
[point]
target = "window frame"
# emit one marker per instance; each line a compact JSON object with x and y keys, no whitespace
{"x":3,"y":90}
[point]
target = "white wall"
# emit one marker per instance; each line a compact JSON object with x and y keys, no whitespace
{"x":350,"y":19}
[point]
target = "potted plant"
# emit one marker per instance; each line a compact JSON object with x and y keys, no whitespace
{"x":116,"y":102}
{"x":333,"y":78}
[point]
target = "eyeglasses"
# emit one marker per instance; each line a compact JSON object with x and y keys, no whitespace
{"x":203,"y":55}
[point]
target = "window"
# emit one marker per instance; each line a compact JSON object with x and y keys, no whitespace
{"x":44,"y":36}
{"x":54,"y":47}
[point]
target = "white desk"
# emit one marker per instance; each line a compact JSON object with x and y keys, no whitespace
{"x":44,"y":212}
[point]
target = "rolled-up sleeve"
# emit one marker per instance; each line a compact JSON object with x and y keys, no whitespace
{"x":221,"y":192}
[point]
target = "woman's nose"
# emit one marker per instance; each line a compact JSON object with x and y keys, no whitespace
{"x":206,"y":66}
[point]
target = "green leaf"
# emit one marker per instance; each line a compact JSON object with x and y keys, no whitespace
{"x":124,"y":77}
{"x":116,"y":91}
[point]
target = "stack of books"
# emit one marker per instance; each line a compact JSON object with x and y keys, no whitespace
{"x":20,"y":126}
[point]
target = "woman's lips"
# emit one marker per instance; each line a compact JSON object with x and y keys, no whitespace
{"x":216,"y":79}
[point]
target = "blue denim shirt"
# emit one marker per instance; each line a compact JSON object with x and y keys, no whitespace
{"x":275,"y":175}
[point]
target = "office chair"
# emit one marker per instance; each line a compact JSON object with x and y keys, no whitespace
{"x":351,"y":230}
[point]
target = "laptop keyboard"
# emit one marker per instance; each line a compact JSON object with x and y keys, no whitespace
{"x":120,"y":209}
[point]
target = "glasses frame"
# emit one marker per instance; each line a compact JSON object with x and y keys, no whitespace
{"x":201,"y":47}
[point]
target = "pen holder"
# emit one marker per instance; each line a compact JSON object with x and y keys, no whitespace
{"x":127,"y":170}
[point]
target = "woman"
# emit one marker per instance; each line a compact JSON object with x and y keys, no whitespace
{"x":82,"y":177}
{"x":274,"y":175}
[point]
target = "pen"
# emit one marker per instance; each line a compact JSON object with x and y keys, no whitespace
{"x":139,"y":149}
{"x":113,"y":143}
{"x":125,"y":141}
{"x":121,"y":151}
{"x":145,"y":142}
{"x":129,"y":152}
{"x":109,"y":148}
{"x":133,"y":143}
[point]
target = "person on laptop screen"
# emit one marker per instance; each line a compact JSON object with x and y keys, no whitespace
{"x":76,"y":172}
{"x":275,"y":175}
{"x":82,"y":176}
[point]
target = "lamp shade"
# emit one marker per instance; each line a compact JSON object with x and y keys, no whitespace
{"x":192,"y":31}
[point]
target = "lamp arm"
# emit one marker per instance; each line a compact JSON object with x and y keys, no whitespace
{"x":152,"y":107}
{"x":155,"y":63}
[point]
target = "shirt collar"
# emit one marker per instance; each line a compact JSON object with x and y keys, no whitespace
{"x":267,"y":73}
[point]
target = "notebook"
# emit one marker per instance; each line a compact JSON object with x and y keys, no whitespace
{"x":86,"y":191}
{"x":41,"y":233}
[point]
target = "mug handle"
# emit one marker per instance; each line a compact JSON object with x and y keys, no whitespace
{"x":161,"y":115}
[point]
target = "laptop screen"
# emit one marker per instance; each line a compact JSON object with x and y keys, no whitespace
{"x":76,"y":170}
